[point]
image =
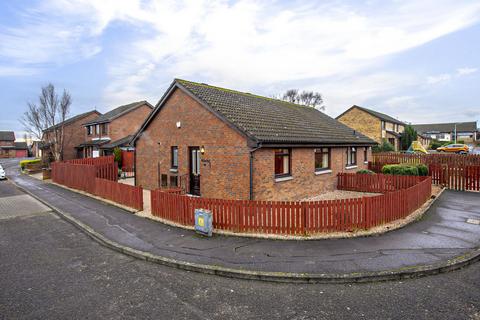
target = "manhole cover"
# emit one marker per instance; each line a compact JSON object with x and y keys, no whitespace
{"x":473,"y":221}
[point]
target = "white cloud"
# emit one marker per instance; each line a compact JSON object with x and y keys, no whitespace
{"x":246,"y":44}
{"x":465,"y":71}
{"x":444,"y":77}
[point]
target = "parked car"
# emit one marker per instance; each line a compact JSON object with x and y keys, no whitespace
{"x":2,"y":174}
{"x":454,"y":148}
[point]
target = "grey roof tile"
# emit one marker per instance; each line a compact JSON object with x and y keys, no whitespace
{"x":446,"y":127}
{"x":7,"y":136}
{"x":114,"y":113}
{"x":274,"y":121}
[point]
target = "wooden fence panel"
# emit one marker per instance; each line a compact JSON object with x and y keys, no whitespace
{"x":299,"y":218}
{"x":127,"y":195}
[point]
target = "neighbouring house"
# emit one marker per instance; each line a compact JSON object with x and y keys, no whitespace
{"x":36,"y":148}
{"x":221,"y":143}
{"x":7,"y":144}
{"x":375,"y":125}
{"x":73,"y":135}
{"x":21,"y":149}
{"x":112,"y":129}
{"x":11,"y":149}
{"x":465,"y":131}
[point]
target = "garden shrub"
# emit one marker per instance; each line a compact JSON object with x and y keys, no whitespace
{"x":435,"y":144}
{"x":365,"y":171}
{"x":385,"y":146}
{"x":422,"y":170}
{"x":404,"y":169}
{"x":24,"y":162}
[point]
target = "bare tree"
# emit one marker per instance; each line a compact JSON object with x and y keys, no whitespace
{"x":45,"y":120}
{"x":307,"y":98}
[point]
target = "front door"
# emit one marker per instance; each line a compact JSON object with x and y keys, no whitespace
{"x":194,"y":170}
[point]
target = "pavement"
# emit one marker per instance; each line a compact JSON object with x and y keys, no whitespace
{"x":441,"y":240}
{"x":51,"y":270}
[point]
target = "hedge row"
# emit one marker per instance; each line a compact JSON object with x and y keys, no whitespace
{"x":405,"y":169}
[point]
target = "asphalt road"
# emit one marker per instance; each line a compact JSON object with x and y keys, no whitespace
{"x":50,"y":270}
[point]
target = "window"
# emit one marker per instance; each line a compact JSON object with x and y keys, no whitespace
{"x":164,"y":181}
{"x":104,"y":128}
{"x":322,"y":159}
{"x":89,"y":130}
{"x":97,"y":129}
{"x":365,"y":154}
{"x":383,"y":125}
{"x":174,"y":158}
{"x":282,"y":162}
{"x":351,"y":156}
{"x":173,"y":181}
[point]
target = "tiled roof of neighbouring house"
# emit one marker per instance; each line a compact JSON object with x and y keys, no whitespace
{"x":72,"y":119}
{"x":7,"y":136}
{"x":117,"y":112}
{"x":379,"y":115}
{"x":123,"y":142}
{"x":21,"y":145}
{"x":273,"y":121}
{"x":446,"y":127}
{"x":98,"y":142}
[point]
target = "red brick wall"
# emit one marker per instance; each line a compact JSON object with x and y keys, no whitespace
{"x":225,"y":167}
{"x":305,"y":182}
{"x":127,"y":124}
{"x":74,"y":135}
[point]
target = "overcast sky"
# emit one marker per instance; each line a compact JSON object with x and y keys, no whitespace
{"x":416,"y":60}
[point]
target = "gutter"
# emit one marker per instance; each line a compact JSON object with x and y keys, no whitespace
{"x":251,"y":169}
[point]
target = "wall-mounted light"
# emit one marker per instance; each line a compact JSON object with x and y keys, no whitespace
{"x":202,"y":149}
{"x":179,"y":124}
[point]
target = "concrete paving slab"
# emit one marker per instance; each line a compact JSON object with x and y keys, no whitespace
{"x":21,"y":206}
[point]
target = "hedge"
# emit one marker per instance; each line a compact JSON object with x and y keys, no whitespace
{"x":405,"y":169}
{"x":24,"y":162}
{"x":365,"y":171}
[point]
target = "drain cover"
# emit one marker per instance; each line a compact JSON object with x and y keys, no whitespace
{"x":473,"y":221}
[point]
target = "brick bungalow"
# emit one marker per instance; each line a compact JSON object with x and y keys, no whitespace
{"x":221,"y":143}
{"x":7,"y":144}
{"x":74,"y":134}
{"x":375,"y":125}
{"x":112,"y":129}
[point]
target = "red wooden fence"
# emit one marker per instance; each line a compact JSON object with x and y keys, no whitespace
{"x":130,"y":196}
{"x":294,"y":217}
{"x":457,"y":172}
{"x":76,"y":176}
{"x":435,"y":158}
{"x":87,"y":178}
{"x":380,"y":183}
{"x":93,"y":161}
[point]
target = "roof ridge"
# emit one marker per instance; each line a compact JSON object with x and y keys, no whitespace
{"x":434,"y":123}
{"x":243,"y":93}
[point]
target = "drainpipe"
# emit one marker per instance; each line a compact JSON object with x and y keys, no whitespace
{"x":251,"y":169}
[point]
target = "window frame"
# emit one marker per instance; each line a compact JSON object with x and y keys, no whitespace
{"x":384,"y":125}
{"x":284,"y":154}
{"x":350,"y":155}
{"x":104,"y":128}
{"x":89,"y":130}
{"x":173,"y":165}
{"x":322,"y":153}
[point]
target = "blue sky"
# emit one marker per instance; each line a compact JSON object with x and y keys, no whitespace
{"x":415,"y":60}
